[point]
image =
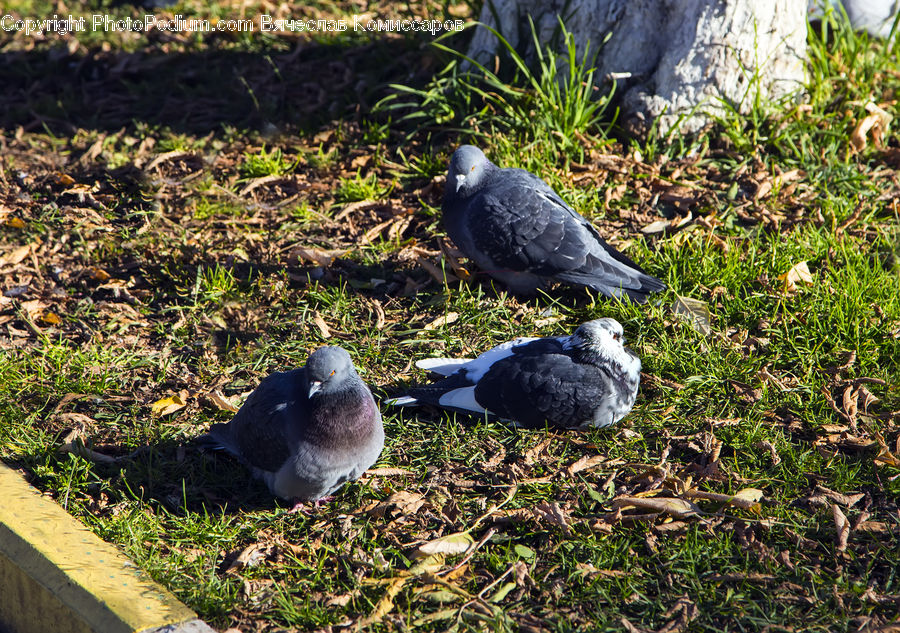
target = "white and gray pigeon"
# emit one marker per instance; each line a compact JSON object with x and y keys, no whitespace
{"x":307,"y":431}
{"x":519,"y":231}
{"x":875,"y":16}
{"x":587,"y":379}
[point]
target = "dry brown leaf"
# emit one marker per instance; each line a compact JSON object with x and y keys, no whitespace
{"x":851,"y":404}
{"x":837,"y":497}
{"x":339,"y":601}
{"x":798,"y":274}
{"x":743,"y":577}
{"x":167,"y":156}
{"x":98,"y":274}
{"x":399,"y":503}
{"x":584,"y":463}
{"x":439,"y":275}
{"x":321,"y":325}
{"x":318,"y":256}
{"x":586,"y":569}
{"x":656,"y":227}
{"x":15,"y":256}
{"x":389,"y":472}
{"x":876,"y":122}
{"x":551,"y":512}
{"x":614,"y":194}
{"x":675,"y":507}
{"x":767,"y":445}
{"x":446,"y":319}
{"x":379,"y":313}
{"x":456,"y":543}
{"x":746,"y":498}
{"x":534,"y":453}
{"x":73,"y":442}
{"x":220,"y":401}
{"x":355,"y":206}
{"x":694,"y":312}
{"x":842,"y":525}
{"x":252,"y":555}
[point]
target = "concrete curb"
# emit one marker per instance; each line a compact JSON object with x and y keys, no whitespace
{"x":56,"y":575}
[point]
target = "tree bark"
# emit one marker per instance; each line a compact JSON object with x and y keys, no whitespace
{"x":676,"y":62}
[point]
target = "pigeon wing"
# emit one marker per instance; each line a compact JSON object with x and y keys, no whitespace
{"x":265,"y":430}
{"x":535,"y":389}
{"x":525,"y":226}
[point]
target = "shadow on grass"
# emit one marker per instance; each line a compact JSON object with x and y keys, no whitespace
{"x":198,"y":92}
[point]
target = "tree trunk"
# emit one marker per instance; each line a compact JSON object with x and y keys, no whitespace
{"x":676,"y":62}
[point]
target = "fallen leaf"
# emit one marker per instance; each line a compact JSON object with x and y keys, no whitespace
{"x":656,"y":227}
{"x":876,"y":122}
{"x":388,"y":472}
{"x":98,"y":274}
{"x":694,"y":312}
{"x":51,"y":318}
{"x":339,"y":601}
{"x":676,"y":507}
{"x":220,"y":401}
{"x":842,"y":499}
{"x":447,"y":319}
{"x":438,"y":274}
{"x":534,"y":453}
{"x":74,"y":444}
{"x":586,"y":569}
{"x":584,"y":463}
{"x":317,"y":255}
{"x":842,"y":525}
{"x":173,"y":403}
{"x":456,"y":543}
{"x":742,"y":577}
{"x":551,"y":512}
{"x":798,"y":274}
{"x":320,"y":323}
{"x":746,"y":498}
{"x":767,"y":445}
{"x":399,"y":503}
{"x":15,"y":256}
{"x":252,"y":556}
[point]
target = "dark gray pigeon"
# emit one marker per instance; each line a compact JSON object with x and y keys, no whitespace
{"x":587,"y":379}
{"x":305,"y":432}
{"x":518,"y":230}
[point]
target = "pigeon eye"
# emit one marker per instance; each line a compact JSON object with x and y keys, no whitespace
{"x":332,"y":373}
{"x":617,"y":336}
{"x":473,"y":168}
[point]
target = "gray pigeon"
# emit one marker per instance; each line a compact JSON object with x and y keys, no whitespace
{"x":587,"y":379}
{"x":875,"y":16}
{"x":305,"y":432}
{"x":518,"y":230}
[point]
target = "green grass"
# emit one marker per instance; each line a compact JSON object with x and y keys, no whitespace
{"x":178,"y":280}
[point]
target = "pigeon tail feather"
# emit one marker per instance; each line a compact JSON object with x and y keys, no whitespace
{"x":442,"y":366}
{"x":401,"y":401}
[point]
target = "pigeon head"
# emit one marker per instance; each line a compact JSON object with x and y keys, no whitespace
{"x":327,"y":368}
{"x":468,"y":167}
{"x":605,"y":338}
{"x":603,"y":332}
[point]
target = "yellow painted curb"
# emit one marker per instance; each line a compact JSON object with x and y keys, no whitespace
{"x":57,"y":576}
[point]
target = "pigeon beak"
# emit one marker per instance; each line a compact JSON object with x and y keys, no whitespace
{"x":314,"y":387}
{"x":460,"y":179}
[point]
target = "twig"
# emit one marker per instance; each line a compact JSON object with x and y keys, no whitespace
{"x":853,"y":218}
{"x":512,"y":493}
{"x":858,"y":381}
